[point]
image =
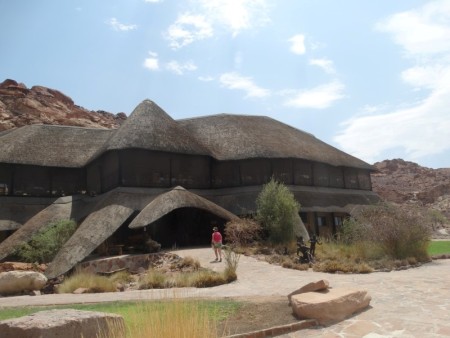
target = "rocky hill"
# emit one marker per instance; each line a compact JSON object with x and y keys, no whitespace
{"x":21,"y":106}
{"x":408,"y":183}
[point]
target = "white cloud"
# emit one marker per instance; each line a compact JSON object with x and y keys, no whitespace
{"x":422,"y":129}
{"x":187,"y":29}
{"x":180,"y":68}
{"x":424,"y":76}
{"x":421,"y":31}
{"x":116,"y":25}
{"x":416,"y":132}
{"x":205,"y":16}
{"x":206,"y":78}
{"x":153,"y":1}
{"x":325,"y":64}
{"x":320,"y":97}
{"x":236,"y":15}
{"x":238,"y":60}
{"x":298,"y":44}
{"x":152,"y":62}
{"x":236,"y":81}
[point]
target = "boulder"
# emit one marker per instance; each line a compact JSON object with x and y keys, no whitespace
{"x":67,"y":323}
{"x":14,"y":282}
{"x":79,"y":291}
{"x":329,"y":307}
{"x":11,"y":266}
{"x":319,"y":285}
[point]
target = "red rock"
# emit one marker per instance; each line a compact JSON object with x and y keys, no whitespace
{"x":41,"y":105}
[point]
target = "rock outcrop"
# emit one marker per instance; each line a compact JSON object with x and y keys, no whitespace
{"x":331,"y":306}
{"x":16,"y":282}
{"x":320,"y":285}
{"x":68,"y":323}
{"x":407,"y":183}
{"x":317,"y":301}
{"x":20,"y":106}
{"x":20,"y":266}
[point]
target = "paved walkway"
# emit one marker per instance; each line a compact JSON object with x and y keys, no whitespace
{"x":409,"y":303}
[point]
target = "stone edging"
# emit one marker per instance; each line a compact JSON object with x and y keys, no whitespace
{"x":277,"y":330}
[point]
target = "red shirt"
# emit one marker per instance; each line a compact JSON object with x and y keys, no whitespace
{"x":216,"y":237}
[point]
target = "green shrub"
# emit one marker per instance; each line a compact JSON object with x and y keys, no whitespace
{"x":276,"y":209}
{"x":45,"y":244}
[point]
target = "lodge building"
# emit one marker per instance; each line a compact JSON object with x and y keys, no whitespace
{"x":223,"y":159}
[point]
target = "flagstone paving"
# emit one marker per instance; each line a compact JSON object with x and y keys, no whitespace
{"x":408,"y":303}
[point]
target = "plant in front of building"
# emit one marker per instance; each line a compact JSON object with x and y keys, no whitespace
{"x":92,"y":282}
{"x":398,"y":232}
{"x":231,"y":263}
{"x":276,"y":208}
{"x":45,"y":244}
{"x":242,"y":232}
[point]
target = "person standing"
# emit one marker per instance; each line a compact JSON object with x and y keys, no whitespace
{"x":216,"y":242}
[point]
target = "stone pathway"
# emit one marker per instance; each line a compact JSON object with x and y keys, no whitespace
{"x":408,"y":303}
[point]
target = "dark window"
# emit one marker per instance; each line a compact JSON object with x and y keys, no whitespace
{"x":321,"y":221}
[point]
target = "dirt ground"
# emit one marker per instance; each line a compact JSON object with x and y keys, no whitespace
{"x":258,"y":313}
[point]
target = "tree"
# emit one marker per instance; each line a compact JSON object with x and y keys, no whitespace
{"x":276,"y":208}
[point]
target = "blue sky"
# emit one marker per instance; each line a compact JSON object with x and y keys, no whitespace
{"x":371,"y":78}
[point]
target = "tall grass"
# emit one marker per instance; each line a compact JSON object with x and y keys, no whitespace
{"x":82,"y":279}
{"x":175,"y":317}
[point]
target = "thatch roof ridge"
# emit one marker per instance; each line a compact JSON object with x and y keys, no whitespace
{"x":96,"y":228}
{"x":177,"y":198}
{"x":150,"y":127}
{"x":52,"y":146}
{"x":230,"y":115}
{"x":236,"y":137}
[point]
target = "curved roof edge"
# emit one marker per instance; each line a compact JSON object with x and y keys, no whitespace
{"x":175,"y":199}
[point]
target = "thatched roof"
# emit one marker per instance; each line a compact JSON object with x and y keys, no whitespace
{"x":149,"y":127}
{"x":95,"y":229}
{"x":54,"y":212}
{"x":52,"y":146}
{"x":236,"y":137}
{"x":175,"y":199}
{"x":223,"y":137}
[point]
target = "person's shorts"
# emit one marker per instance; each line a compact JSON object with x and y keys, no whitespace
{"x":217,"y":244}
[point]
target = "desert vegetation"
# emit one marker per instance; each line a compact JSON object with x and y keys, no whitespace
{"x":45,"y":244}
{"x":374,"y":237}
{"x":185,"y":273}
{"x":276,"y":208}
